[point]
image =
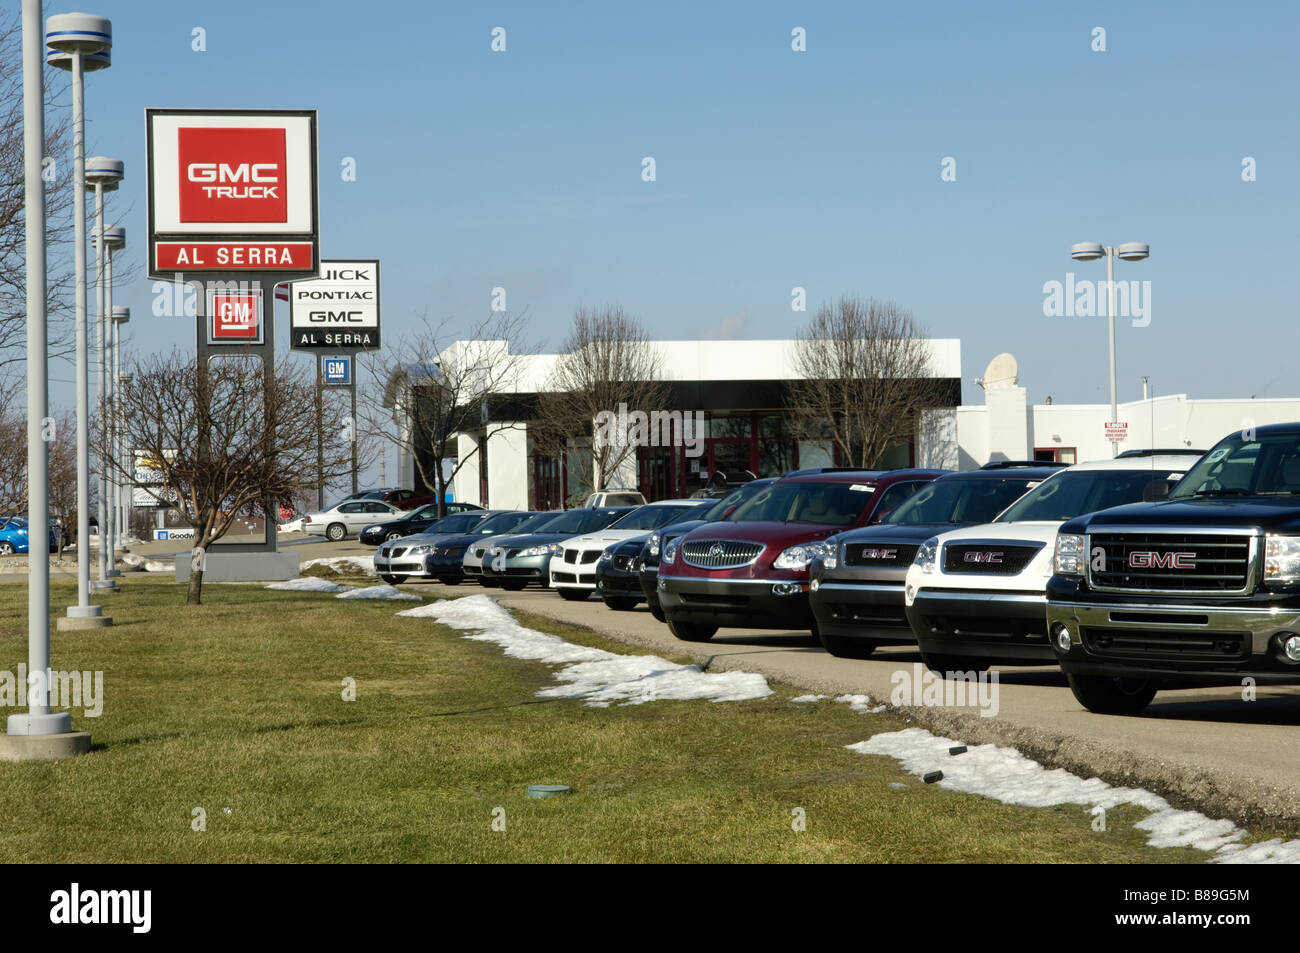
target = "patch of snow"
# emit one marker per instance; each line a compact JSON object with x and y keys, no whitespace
{"x":594,"y":675}
{"x":347,"y":565}
{"x":309,"y":584}
{"x":860,"y":703}
{"x":376,"y":592}
{"x":1006,"y":775}
{"x":809,"y":698}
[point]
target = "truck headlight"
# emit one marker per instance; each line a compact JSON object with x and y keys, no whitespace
{"x":670,"y":551}
{"x":831,"y":558}
{"x":654,"y":543}
{"x":926,"y":554}
{"x":1071,"y":555}
{"x":798,"y":557}
{"x":1282,"y":559}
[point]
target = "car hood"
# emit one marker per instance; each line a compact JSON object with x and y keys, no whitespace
{"x":531,"y":539}
{"x":895,"y":533}
{"x":1267,"y":513}
{"x":603,"y":538}
{"x":1026,"y":531}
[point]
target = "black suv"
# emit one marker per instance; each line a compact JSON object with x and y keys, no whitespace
{"x":1203,"y":586}
{"x":856,"y":592}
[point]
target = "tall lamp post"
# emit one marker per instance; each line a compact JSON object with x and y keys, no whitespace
{"x":121,"y":315}
{"x":114,"y":239}
{"x":79,"y":42}
{"x":1129,"y":251}
{"x":102,"y":175}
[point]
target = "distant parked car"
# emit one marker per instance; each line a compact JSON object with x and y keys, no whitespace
{"x":344,"y":519}
{"x":515,"y":561}
{"x":614,"y":498}
{"x":445,"y":561}
{"x":14,"y":538}
{"x":420,"y":521}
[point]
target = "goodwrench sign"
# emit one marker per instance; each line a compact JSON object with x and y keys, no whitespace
{"x":232,"y":191}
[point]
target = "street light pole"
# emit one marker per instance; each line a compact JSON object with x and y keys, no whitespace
{"x":121,"y":315}
{"x":114,"y":238}
{"x":1129,"y":251}
{"x":80,"y":42}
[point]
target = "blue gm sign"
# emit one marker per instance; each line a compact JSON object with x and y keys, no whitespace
{"x":338,"y":370}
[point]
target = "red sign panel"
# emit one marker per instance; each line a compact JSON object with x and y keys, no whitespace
{"x":236,"y":317}
{"x":232,"y":175}
{"x":234,"y":255}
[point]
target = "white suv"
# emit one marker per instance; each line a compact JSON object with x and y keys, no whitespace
{"x":977,"y":596}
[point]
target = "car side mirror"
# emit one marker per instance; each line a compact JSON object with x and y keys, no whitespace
{"x":1156,"y":490}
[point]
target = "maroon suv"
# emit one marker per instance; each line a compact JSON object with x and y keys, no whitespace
{"x":752,"y":571}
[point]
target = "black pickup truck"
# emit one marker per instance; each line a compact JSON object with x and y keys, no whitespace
{"x":1201,"y":587}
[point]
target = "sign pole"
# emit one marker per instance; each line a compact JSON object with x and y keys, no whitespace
{"x":320,"y":435}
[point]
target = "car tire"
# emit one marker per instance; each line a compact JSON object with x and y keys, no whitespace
{"x":692,"y":631}
{"x":574,"y":595}
{"x":620,"y":603}
{"x":1108,"y":695}
{"x":842,"y":647}
{"x":336,"y":532}
{"x":389,"y":537}
{"x":449,"y":580}
{"x":943,"y":664}
{"x":6,"y":548}
{"x":511,"y":586}
{"x":658,"y":613}
{"x":488,"y":583}
{"x":392,"y":580}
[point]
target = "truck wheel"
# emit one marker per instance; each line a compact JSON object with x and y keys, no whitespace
{"x":842,"y":647}
{"x":692,"y":631}
{"x":943,"y":664}
{"x":574,"y":595}
{"x":392,"y":580}
{"x":620,"y":603}
{"x":1108,"y":695}
{"x":336,"y":532}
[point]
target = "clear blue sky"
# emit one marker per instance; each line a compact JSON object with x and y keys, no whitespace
{"x":775,"y":168}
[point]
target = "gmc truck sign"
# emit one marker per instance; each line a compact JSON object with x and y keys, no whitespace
{"x":340,"y":309}
{"x":232,"y":190}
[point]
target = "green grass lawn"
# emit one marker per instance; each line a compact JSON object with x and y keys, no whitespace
{"x":237,"y":704}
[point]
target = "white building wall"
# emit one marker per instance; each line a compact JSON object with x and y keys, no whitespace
{"x":465,"y":484}
{"x":507,"y":465}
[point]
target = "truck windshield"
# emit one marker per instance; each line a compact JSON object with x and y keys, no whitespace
{"x":957,"y":500}
{"x":1072,"y":493}
{"x":1238,"y":466}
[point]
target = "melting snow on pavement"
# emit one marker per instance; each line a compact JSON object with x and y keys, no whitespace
{"x":594,"y":675}
{"x":1006,"y":775}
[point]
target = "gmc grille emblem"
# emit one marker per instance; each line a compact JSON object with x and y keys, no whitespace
{"x":879,"y":553}
{"x":982,"y":557}
{"x":1150,"y":560}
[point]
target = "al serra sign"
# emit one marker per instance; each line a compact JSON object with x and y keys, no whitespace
{"x":232,"y":190}
{"x":340,"y":309}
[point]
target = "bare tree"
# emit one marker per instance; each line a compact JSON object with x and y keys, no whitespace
{"x":225,"y":440}
{"x":607,"y":367}
{"x":430,"y":388}
{"x":863,"y":378}
{"x":59,"y":197}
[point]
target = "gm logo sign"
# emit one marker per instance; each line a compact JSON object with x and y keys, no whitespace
{"x":338,"y":370}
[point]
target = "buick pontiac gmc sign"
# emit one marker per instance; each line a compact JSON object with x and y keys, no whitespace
{"x":340,"y":309}
{"x":232,"y":191}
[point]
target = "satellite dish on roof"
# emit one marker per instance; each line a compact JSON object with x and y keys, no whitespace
{"x":1003,"y":371}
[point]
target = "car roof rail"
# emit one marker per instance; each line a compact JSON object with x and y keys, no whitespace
{"x":1158,"y":452}
{"x":1009,"y":464}
{"x":812,"y":470}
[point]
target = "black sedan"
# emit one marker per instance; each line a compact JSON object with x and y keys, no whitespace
{"x":423,"y":520}
{"x":617,"y":580}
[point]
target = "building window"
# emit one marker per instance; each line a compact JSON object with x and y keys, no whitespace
{"x":1057,"y":454}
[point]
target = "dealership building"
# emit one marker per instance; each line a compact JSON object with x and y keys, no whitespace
{"x":741,"y":389}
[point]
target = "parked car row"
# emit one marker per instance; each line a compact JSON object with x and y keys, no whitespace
{"x":1157,"y":567}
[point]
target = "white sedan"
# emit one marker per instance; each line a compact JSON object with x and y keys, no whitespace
{"x":573,"y":568}
{"x":349,"y":518}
